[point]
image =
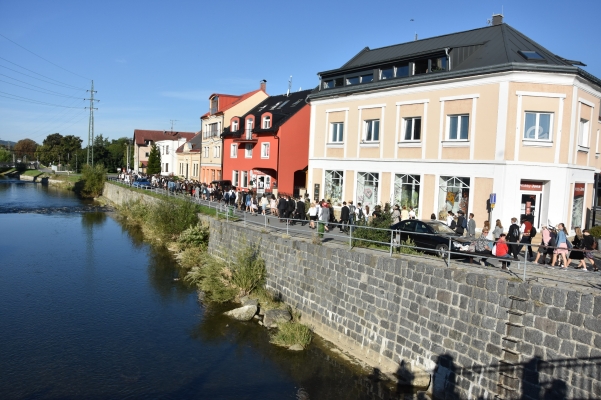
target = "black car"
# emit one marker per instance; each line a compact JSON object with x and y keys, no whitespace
{"x":430,"y":234}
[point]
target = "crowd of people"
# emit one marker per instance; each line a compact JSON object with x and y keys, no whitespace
{"x":555,"y":244}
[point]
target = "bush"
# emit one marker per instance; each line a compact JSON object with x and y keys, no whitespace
{"x":293,"y":332}
{"x":248,"y":271}
{"x":213,"y":278}
{"x":171,"y":217}
{"x":408,"y":250}
{"x":92,"y":180}
{"x":195,"y":236}
{"x":370,"y":236}
{"x":595,"y":231}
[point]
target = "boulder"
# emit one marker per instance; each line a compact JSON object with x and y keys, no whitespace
{"x":272,"y":317}
{"x":296,"y":347}
{"x":244,"y":313}
{"x":247,"y":301}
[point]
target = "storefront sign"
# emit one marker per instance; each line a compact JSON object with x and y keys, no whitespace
{"x":531,"y":186}
{"x":493,"y":200}
{"x":579,"y":189}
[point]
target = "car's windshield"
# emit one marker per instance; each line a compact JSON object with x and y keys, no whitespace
{"x":439,"y":227}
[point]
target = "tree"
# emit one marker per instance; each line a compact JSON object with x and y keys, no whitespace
{"x":51,"y":149}
{"x":154,"y":161}
{"x":5,"y":155}
{"x":26,"y":147}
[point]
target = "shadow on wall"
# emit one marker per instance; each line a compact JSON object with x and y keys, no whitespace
{"x":447,"y":383}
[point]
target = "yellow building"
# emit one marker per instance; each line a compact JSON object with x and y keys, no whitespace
{"x":443,"y":123}
{"x":222,"y":107}
{"x":188,"y":158}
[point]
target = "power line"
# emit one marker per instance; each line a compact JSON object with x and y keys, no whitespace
{"x":52,"y":83}
{"x":56,"y":65}
{"x":37,"y":73}
{"x":25,"y":99}
{"x":50,"y":92}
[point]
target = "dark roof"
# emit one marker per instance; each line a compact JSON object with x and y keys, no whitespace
{"x":491,"y":45}
{"x":195,"y":142}
{"x":475,"y":51}
{"x":284,"y":107}
{"x":141,"y":135}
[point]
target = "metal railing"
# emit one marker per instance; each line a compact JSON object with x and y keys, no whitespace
{"x":349,"y":237}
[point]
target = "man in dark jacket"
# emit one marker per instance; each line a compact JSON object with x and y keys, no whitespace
{"x":461,"y":223}
{"x":291,"y":206}
{"x":282,"y":205}
{"x":300,"y":211}
{"x":344,"y":217}
{"x":513,"y":237}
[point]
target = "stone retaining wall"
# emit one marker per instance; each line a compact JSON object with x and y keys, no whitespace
{"x":479,"y":335}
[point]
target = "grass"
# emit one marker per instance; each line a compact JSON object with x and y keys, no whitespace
{"x":291,"y":333}
{"x":32,"y":172}
{"x":72,"y":178}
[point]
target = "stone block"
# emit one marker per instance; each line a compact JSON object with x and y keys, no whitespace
{"x":597,"y":307}
{"x":593,"y":323}
{"x":582,"y":335}
{"x":576,"y":319}
{"x":573,"y":301}
{"x":533,"y":336}
{"x":557,"y":314}
{"x":546,"y":325}
{"x":551,"y":342}
{"x":586,"y":303}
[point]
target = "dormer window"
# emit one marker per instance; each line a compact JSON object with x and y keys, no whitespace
{"x":531,"y":55}
{"x":235,"y":126}
{"x":262,"y":107}
{"x":296,"y":103}
{"x":283,"y":104}
{"x":387,"y":73}
{"x":266,"y":122}
{"x":214,"y":103}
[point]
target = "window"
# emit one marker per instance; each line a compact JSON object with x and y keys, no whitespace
{"x":531,"y":55}
{"x":212,"y":130}
{"x":234,"y":126}
{"x":147,"y":154}
{"x":206,"y":152}
{"x":283,"y":104}
{"x":166,"y":149}
{"x":266,"y":122}
{"x":413,"y":129}
{"x":275,"y":105}
{"x":402,"y":70}
{"x":333,"y":186}
{"x":387,"y":73}
{"x":538,"y":126}
{"x":332,"y":83}
{"x":438,"y":64}
{"x":353,"y":80}
{"x":296,"y":103}
{"x":235,"y":178}
{"x":454,"y":195}
{"x":421,"y":66}
{"x":583,"y":134}
{"x":458,"y":127}
{"x":244,"y":178}
{"x":234,"y":151}
{"x":249,"y":128}
{"x":217,"y":151}
{"x":406,"y":191}
{"x":166,"y":167}
{"x":367,"y":188}
{"x":337,"y":132}
{"x":249,"y":150}
{"x":214,"y":103}
{"x":265,"y":150}
{"x":262,"y":107}
{"x":372,"y":130}
{"x":367,"y":78}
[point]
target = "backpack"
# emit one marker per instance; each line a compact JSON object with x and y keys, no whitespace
{"x":226,"y":196}
{"x":361,"y":213}
{"x":532,"y":231}
{"x":464,"y":223}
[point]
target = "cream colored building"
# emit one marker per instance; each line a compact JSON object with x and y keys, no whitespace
{"x":222,"y":107}
{"x":188,"y":158}
{"x":440,"y":124}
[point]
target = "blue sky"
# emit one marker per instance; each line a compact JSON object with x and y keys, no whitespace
{"x":153,"y":61}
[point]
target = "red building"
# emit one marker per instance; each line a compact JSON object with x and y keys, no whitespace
{"x":268,"y":147}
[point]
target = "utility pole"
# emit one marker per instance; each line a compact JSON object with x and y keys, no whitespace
{"x":91,"y":126}
{"x":128,"y":156}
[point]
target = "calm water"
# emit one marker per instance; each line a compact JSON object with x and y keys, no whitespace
{"x":88,"y":310}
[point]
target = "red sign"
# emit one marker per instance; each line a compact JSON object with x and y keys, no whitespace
{"x":578,"y":189}
{"x":532,"y":186}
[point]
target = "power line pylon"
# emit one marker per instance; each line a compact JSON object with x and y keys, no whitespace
{"x":90,"y":160}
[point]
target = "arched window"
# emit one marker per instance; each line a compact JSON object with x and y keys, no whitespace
{"x":266,"y":122}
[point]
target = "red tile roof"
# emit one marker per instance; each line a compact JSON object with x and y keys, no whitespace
{"x":141,"y":135}
{"x":227,"y":101}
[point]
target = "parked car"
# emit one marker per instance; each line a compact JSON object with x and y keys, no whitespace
{"x":141,"y":183}
{"x":429,"y":234}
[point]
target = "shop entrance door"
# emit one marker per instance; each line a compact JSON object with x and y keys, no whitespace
{"x":530,"y":209}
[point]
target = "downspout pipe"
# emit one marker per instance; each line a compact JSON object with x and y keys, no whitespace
{"x":446,"y":50}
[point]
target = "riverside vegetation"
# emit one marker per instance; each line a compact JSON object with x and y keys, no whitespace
{"x":174,"y":223}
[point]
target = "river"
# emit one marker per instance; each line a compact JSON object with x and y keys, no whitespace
{"x":89,"y":310}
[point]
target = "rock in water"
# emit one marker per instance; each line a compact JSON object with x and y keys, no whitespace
{"x":243,"y":313}
{"x":272,"y":317}
{"x":296,"y":347}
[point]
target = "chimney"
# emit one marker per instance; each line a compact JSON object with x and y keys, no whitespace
{"x":264,"y":85}
{"x":497,"y":19}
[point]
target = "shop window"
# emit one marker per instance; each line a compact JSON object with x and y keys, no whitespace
{"x":577,"y":205}
{"x":406,"y":191}
{"x":454,"y":195}
{"x":413,"y":128}
{"x":367,"y":188}
{"x":334,"y":181}
{"x":372,"y":130}
{"x":244,"y":178}
{"x":337,"y":132}
{"x":458,"y":127}
{"x":538,"y":126}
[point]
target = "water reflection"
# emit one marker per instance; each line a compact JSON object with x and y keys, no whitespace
{"x":89,"y":219}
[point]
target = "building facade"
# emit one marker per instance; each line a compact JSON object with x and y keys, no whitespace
{"x":143,"y":140}
{"x":456,"y":122}
{"x":188,"y":158}
{"x":221,"y":108}
{"x":268,"y":147}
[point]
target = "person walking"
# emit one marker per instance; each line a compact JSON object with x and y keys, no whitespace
{"x":496,"y":233}
{"x":300,"y":211}
{"x":324,"y":217}
{"x":513,"y":237}
{"x":312,"y":215}
{"x":461,"y":223}
{"x":397,"y":216}
{"x":471,"y":226}
{"x":525,"y":229}
{"x":282,"y":205}
{"x":577,"y":252}
{"x":588,"y":244}
{"x":543,"y":249}
{"x":290,"y":207}
{"x":344,"y":217}
{"x":562,"y":246}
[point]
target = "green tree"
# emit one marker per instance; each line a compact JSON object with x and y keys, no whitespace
{"x":93,"y":180}
{"x":26,"y":148}
{"x":51,"y":150}
{"x":5,"y":155}
{"x":154,"y":161}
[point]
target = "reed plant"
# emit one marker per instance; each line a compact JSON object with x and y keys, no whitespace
{"x":292,"y":332}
